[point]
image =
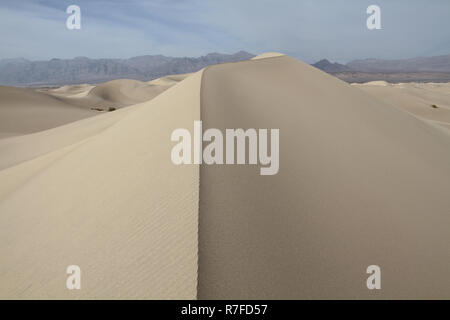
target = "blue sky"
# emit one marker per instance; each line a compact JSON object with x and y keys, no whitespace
{"x":306,"y":29}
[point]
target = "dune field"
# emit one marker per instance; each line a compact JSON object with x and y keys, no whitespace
{"x":364,"y":179}
{"x":28,"y":110}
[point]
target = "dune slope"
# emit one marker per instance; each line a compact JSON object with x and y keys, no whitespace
{"x":109,"y":201}
{"x":360,"y":183}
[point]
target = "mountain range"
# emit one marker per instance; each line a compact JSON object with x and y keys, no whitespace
{"x":421,"y":64}
{"x":22,"y":72}
{"x":330,"y":67}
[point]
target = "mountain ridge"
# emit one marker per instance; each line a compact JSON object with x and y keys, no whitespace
{"x":419,"y":64}
{"x":23,"y":72}
{"x":56,"y":72}
{"x":327,"y":66}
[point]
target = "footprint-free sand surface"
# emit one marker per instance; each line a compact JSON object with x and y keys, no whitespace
{"x":361,"y":182}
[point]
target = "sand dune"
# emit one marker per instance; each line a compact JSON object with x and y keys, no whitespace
{"x":361,"y":182}
{"x":170,"y":79}
{"x":115,"y":93}
{"x":27,"y":110}
{"x":125,"y":92}
{"x":76,"y":90}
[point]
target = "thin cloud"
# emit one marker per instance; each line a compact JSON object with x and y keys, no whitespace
{"x":306,"y":29}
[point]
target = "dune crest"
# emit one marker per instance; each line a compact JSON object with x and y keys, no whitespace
{"x":268,"y":55}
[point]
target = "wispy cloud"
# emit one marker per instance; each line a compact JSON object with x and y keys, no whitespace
{"x":307,"y":29}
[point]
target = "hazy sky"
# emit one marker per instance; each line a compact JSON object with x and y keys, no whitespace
{"x":306,"y":29}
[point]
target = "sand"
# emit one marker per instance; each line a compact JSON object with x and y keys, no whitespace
{"x":361,"y":182}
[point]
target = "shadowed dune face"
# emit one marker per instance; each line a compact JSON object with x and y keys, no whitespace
{"x":360,"y":183}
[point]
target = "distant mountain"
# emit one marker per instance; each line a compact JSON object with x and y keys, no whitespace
{"x":22,"y":72}
{"x":329,"y":67}
{"x":421,"y":64}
